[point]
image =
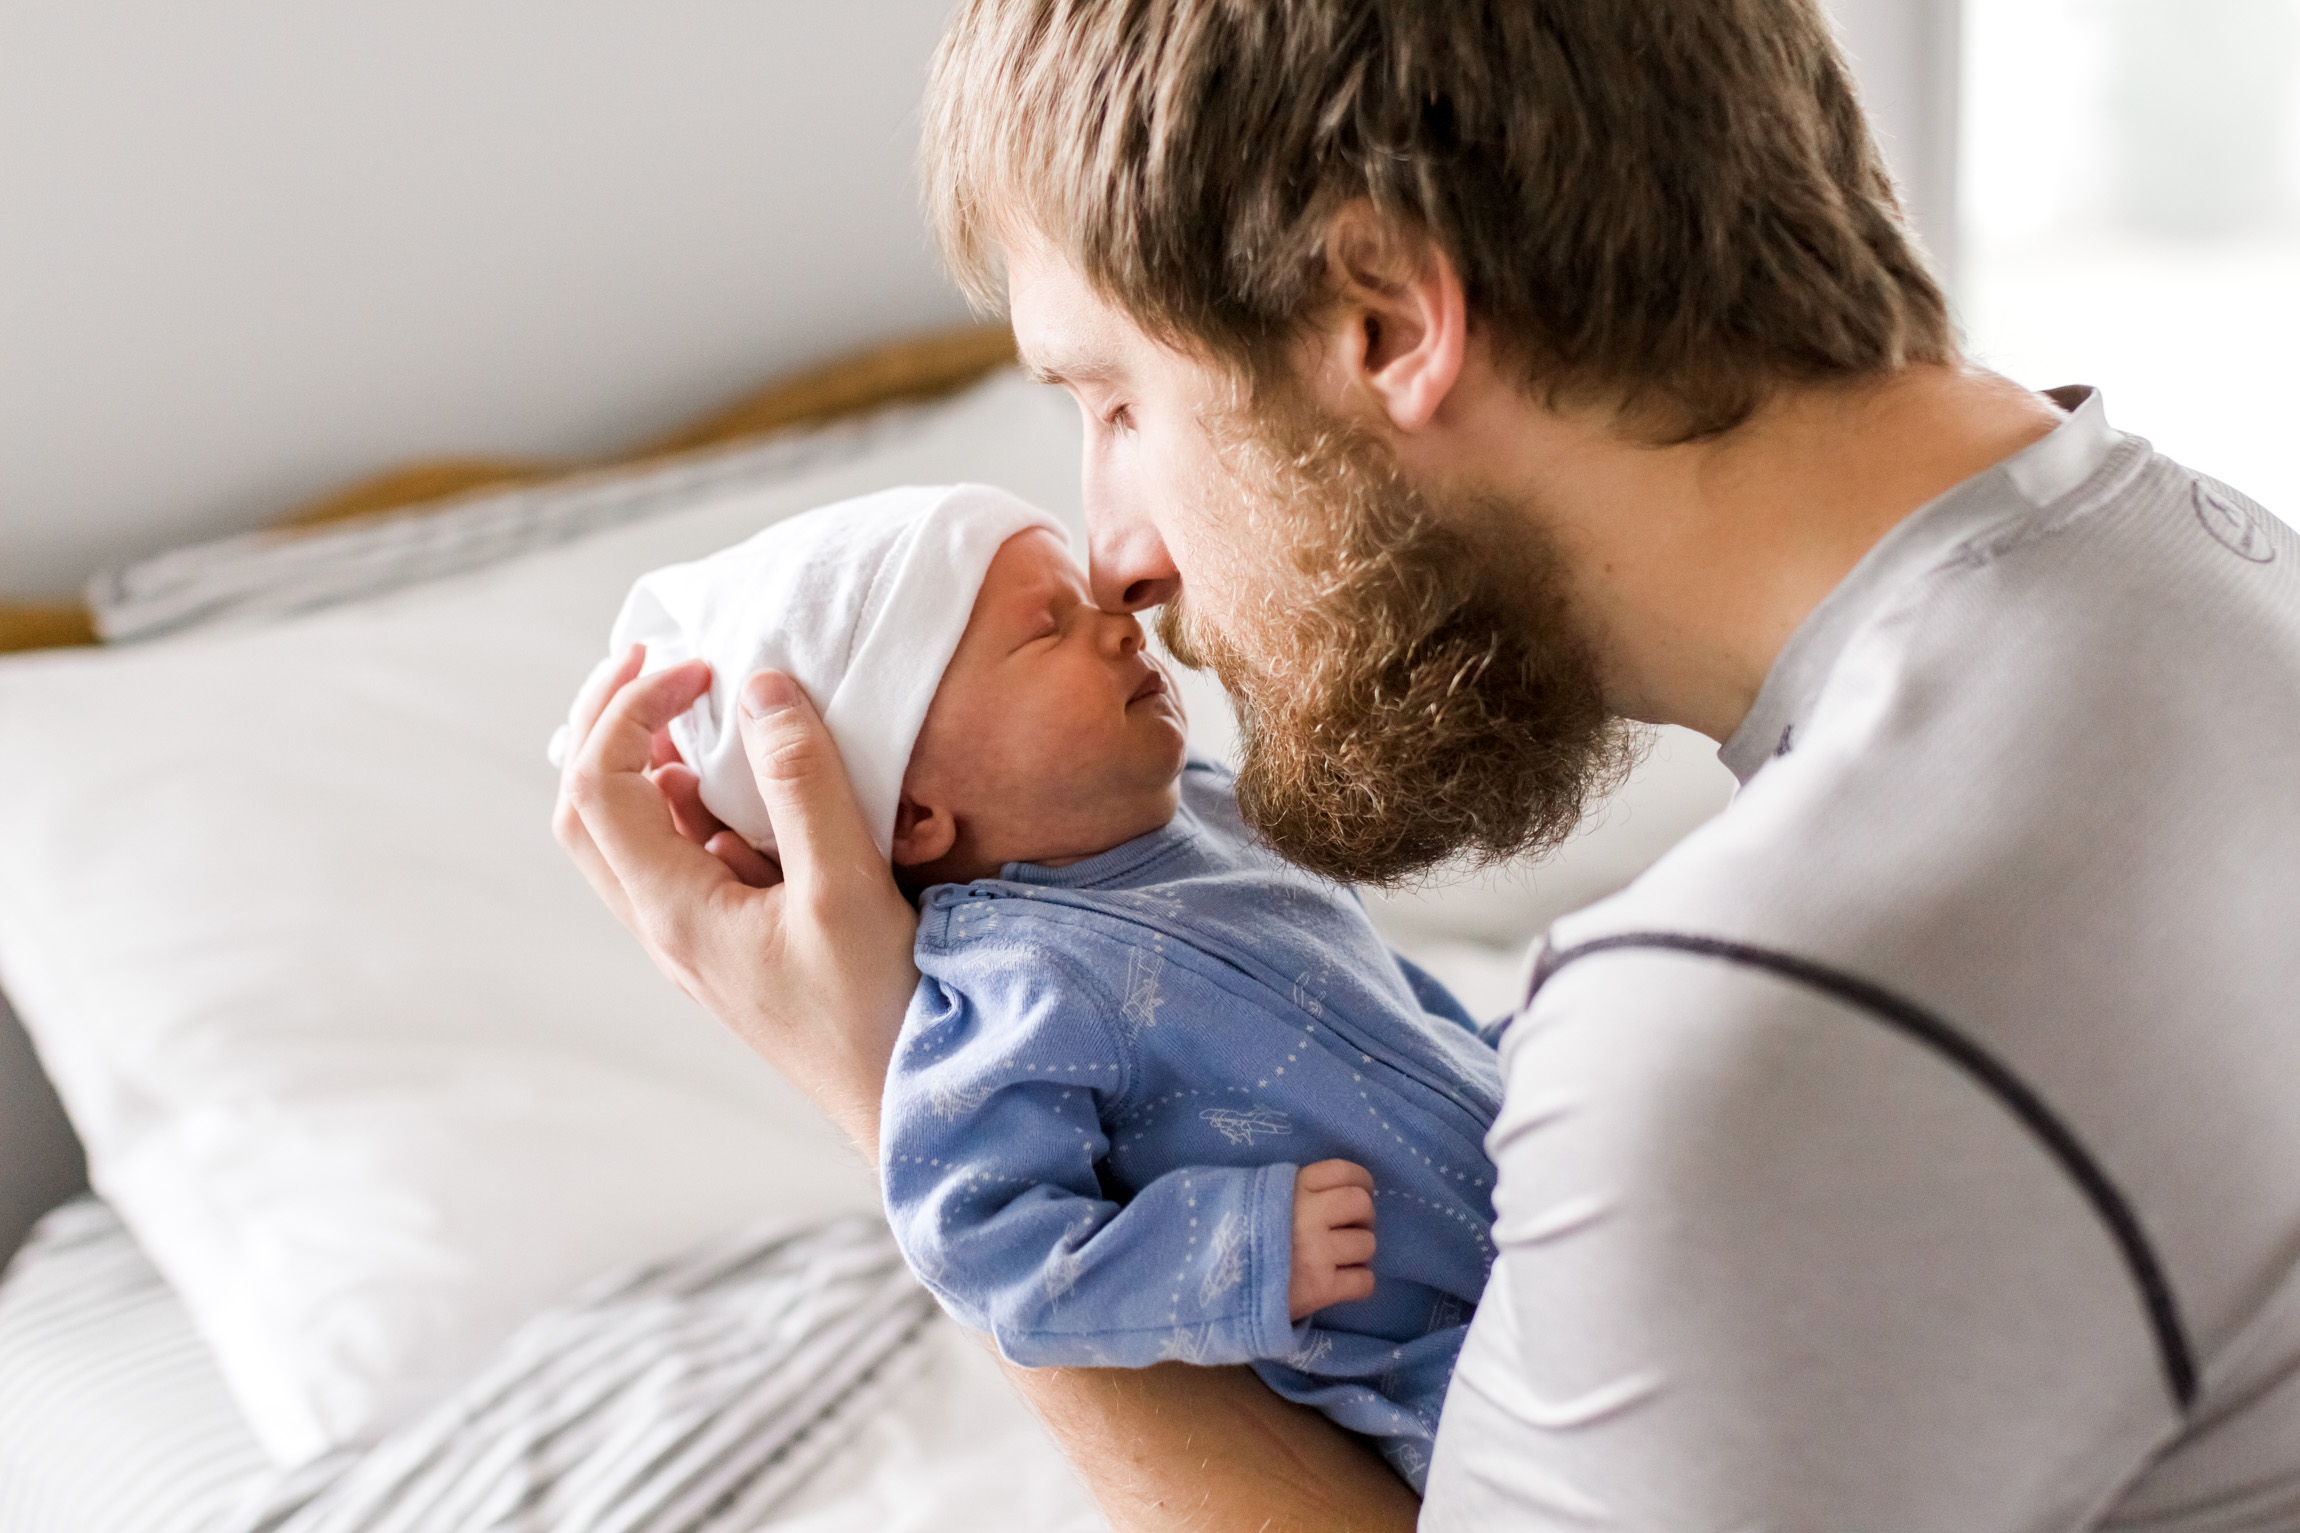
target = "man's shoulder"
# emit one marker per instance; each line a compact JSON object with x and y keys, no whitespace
{"x":2075,"y":721}
{"x":2023,"y":847}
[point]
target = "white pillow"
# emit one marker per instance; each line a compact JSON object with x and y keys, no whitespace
{"x":356,"y":1054}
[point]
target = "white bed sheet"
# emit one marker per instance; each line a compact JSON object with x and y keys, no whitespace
{"x":958,"y":1455}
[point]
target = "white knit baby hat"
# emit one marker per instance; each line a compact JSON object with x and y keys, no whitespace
{"x":862,"y":602}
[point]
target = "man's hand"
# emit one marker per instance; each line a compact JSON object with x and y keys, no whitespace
{"x":1333,"y":1237}
{"x":809,"y":962}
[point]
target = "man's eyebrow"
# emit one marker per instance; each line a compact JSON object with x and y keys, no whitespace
{"x":1061,"y":372}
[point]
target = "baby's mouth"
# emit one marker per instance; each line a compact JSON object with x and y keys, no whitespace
{"x":1152,"y":684}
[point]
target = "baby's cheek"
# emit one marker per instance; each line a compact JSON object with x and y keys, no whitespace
{"x":1021,"y":753}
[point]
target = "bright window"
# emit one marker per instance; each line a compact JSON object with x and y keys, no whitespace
{"x":2129,"y":213}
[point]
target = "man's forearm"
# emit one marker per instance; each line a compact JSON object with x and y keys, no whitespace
{"x":1178,"y":1447}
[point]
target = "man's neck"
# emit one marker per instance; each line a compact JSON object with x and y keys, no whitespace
{"x":1693,"y":564}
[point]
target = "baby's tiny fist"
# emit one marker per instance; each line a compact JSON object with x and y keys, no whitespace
{"x":1333,"y":1237}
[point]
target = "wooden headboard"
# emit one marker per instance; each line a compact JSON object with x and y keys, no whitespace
{"x":916,"y":368}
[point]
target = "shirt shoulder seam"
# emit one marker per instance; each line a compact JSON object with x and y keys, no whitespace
{"x":1991,"y":1075}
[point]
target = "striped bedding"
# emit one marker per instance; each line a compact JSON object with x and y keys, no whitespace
{"x":688,"y":1396}
{"x":112,"y":1417}
{"x":261,"y":576}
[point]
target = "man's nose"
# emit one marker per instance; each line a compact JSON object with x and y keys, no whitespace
{"x":1127,"y":564}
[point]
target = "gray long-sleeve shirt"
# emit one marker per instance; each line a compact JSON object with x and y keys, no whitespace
{"x":1917,"y":1147}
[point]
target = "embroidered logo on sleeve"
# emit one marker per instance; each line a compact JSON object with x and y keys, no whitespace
{"x":1311,"y":1353}
{"x":1143,"y":993}
{"x":1244,"y":1125}
{"x":2235,"y":524}
{"x":1225,"y":1260}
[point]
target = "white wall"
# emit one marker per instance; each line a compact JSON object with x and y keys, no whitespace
{"x":1905,"y":54}
{"x":251,"y":248}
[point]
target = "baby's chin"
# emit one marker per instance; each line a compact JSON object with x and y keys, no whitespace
{"x":1164,"y":731}
{"x":1128,"y":810}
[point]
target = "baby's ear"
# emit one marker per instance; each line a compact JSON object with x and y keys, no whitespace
{"x":921,"y":834}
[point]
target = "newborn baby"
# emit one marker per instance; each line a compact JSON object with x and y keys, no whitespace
{"x":1157,"y":1089}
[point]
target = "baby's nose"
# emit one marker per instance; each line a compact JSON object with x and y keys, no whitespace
{"x":1122,"y":632}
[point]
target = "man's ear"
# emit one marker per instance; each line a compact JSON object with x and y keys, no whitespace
{"x":1396,"y":322}
{"x":921,"y":834}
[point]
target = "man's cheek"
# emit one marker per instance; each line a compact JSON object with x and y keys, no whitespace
{"x":1223,"y":550}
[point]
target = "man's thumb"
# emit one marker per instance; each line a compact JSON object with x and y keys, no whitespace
{"x":801,"y":779}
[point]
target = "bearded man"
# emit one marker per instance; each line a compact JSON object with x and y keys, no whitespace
{"x":1915,"y":1147}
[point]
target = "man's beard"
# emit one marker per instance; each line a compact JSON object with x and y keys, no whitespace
{"x":1413,"y":688}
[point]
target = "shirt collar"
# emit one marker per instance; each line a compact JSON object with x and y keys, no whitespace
{"x":1103,"y":867}
{"x":2040,"y":474}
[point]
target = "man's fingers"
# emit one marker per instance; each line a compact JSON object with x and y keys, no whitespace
{"x":744,"y":860}
{"x":607,"y":678}
{"x":643,"y":709}
{"x":622,"y":738}
{"x":819,"y":830}
{"x":682,"y":789}
{"x":567,"y":825}
{"x":816,"y":984}
{"x":625,"y":814}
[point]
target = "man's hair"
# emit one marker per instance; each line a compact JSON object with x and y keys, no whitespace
{"x":1668,"y":206}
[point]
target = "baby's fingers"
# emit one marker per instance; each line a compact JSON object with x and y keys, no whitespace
{"x":1338,"y":1207}
{"x":1349,"y":1246}
{"x":1327,"y":1174}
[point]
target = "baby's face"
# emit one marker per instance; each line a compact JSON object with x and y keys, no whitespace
{"x":1052,"y":736}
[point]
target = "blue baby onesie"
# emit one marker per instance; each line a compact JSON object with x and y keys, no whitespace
{"x":1108,"y":1077}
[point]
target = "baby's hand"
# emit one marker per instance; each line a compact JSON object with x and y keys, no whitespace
{"x":1333,"y":1236}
